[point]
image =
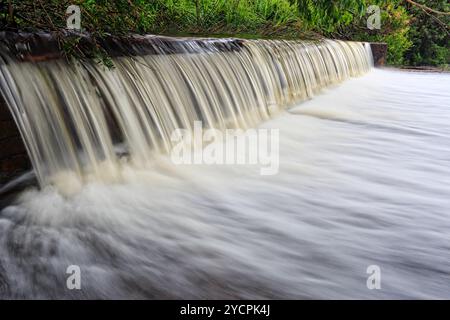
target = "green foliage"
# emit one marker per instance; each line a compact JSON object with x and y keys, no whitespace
{"x":327,"y":16}
{"x":394,"y":30}
{"x":413,"y":36}
{"x":257,"y":17}
{"x":430,"y":35}
{"x":347,"y":20}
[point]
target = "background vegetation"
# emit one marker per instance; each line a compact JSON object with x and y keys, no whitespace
{"x":417,"y":32}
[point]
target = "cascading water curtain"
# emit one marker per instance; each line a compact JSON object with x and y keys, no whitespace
{"x":71,"y":115}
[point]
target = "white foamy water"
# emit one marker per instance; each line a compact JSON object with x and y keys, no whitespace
{"x":364,"y":179}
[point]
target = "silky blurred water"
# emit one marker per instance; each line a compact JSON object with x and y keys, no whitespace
{"x":364,"y":179}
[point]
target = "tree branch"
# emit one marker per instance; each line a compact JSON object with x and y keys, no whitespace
{"x":428,"y":12}
{"x":425,"y":8}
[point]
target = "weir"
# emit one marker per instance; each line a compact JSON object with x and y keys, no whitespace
{"x":72,"y":116}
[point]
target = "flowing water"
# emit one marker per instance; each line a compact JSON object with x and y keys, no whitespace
{"x":364,"y":179}
{"x":71,"y":116}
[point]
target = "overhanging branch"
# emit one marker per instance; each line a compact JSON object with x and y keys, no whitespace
{"x":425,"y":8}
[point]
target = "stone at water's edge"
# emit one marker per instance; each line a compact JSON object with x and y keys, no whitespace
{"x":379,"y":53}
{"x":13,"y":155}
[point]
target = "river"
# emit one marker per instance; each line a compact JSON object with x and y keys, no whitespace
{"x":364,"y":179}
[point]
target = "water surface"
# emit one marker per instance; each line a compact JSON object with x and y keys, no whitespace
{"x":364,"y":180}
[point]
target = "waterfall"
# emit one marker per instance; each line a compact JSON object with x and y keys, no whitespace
{"x":73,"y":115}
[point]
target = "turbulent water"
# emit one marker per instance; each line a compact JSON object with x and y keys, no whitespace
{"x":364,"y":180}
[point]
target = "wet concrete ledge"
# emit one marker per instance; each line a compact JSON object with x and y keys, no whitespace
{"x":42,"y":46}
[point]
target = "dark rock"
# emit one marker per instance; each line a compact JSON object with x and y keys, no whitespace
{"x":14,"y":159}
{"x":379,"y":52}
